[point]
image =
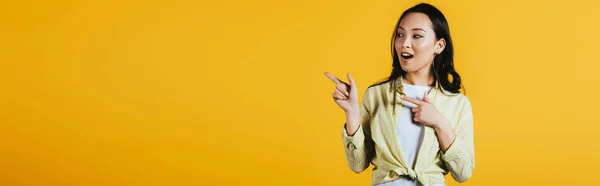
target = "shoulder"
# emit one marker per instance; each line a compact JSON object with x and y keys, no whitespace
{"x":380,"y":87}
{"x":376,"y":94}
{"x":462,"y":98}
{"x":458,"y":99}
{"x":378,"y":90}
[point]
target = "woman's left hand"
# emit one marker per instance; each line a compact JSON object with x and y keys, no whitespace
{"x":425,"y":112}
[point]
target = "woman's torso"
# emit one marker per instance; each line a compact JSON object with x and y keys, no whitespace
{"x":392,"y":163}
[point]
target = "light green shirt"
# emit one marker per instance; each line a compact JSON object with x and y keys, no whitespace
{"x":376,"y":142}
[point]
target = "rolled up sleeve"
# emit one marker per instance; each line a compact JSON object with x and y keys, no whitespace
{"x":460,"y":156}
{"x":358,"y":152}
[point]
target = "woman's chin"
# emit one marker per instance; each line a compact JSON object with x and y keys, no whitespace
{"x":412,"y":67}
{"x":407,"y":67}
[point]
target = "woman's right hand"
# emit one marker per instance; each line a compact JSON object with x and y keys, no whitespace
{"x":346,"y":96}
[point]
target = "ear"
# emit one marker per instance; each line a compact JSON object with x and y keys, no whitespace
{"x":440,"y":45}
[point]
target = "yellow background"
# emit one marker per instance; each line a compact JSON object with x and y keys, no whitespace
{"x":233,"y":92}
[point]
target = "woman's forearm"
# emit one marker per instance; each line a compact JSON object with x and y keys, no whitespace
{"x":445,"y":134}
{"x":352,"y":121}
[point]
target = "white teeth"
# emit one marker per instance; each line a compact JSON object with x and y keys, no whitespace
{"x":405,"y":54}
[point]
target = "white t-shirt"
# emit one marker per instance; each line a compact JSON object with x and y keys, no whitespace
{"x":410,"y":135}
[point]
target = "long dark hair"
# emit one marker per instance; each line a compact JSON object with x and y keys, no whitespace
{"x":443,"y":63}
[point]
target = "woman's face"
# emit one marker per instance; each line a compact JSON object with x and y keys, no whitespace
{"x":416,"y":43}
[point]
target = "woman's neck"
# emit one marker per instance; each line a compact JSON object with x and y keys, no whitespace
{"x":419,"y":78}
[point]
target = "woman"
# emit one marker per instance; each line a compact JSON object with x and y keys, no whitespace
{"x":416,"y":126}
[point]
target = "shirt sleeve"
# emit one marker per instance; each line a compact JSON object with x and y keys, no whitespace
{"x":460,"y":156}
{"x":357,"y":148}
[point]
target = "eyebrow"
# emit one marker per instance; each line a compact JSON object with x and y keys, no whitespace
{"x":412,"y":29}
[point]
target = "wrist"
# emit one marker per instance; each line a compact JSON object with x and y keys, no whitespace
{"x":352,"y":121}
{"x":442,"y":125}
{"x":351,"y":112}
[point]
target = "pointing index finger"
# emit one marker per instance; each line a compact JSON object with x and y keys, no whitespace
{"x":412,"y":100}
{"x":333,"y":78}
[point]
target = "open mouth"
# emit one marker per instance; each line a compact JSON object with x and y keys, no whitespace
{"x":406,"y":55}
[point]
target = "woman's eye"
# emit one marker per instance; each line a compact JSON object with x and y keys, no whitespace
{"x":417,"y":36}
{"x":399,"y":35}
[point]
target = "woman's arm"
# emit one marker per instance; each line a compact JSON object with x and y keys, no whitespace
{"x":445,"y":134}
{"x":355,"y":135}
{"x":458,"y":146}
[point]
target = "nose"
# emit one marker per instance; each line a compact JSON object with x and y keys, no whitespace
{"x":406,"y":43}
